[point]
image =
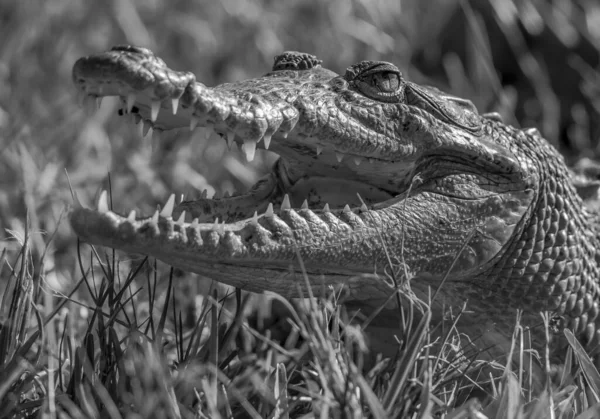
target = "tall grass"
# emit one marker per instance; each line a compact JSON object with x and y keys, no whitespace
{"x":120,"y":361}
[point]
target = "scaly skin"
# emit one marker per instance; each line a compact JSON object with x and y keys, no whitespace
{"x":442,"y":188}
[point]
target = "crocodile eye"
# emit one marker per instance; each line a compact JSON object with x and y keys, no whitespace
{"x":377,"y":80}
{"x":384,"y":82}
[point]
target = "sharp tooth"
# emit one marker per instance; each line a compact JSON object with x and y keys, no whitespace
{"x":319,"y":150}
{"x":154,"y":108}
{"x":357,"y":161}
{"x":181,"y":198}
{"x":130,"y":102}
{"x":267,"y":139}
{"x":155,"y":217}
{"x":293,"y":123}
{"x":255,"y":218}
{"x":347,"y":208}
{"x":167,"y":211}
{"x":249,"y":149}
{"x":175,"y":105}
{"x":339,"y":157}
{"x":230,"y":137}
{"x":326,"y":208}
{"x":285,"y":204}
{"x":269,"y":211}
{"x":137,"y":118}
{"x":131,"y":216}
{"x":364,"y":207}
{"x":226,"y":194}
{"x":146,"y":128}
{"x":193,"y":122}
{"x":216,"y":224}
{"x":103,"y":202}
{"x":284,"y":134}
{"x":181,"y":219}
{"x":195,"y":223}
{"x":304,"y":204}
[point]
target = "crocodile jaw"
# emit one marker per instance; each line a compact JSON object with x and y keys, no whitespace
{"x":322,"y":129}
{"x":257,"y":254}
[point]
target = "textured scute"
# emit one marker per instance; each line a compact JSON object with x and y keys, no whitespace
{"x":449,"y":195}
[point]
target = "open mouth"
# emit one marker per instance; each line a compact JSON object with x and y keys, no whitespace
{"x":334,"y":155}
{"x":347,"y":190}
{"x":323,"y":185}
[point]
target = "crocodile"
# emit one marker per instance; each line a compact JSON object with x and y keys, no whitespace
{"x":373,"y":170}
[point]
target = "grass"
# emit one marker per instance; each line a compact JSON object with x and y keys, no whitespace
{"x":121,"y":361}
{"x":84,"y":333}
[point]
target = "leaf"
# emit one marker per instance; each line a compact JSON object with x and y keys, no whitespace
{"x":589,"y":370}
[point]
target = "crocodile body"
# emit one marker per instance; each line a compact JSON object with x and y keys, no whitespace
{"x":371,"y":166}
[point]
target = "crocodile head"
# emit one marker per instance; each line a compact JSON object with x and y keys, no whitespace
{"x":373,"y":167}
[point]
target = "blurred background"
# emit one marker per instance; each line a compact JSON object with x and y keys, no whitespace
{"x":534,"y":61}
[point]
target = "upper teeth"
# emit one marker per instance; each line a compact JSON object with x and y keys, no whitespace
{"x":130,"y":102}
{"x":91,"y":102}
{"x":154,"y":108}
{"x":249,"y":149}
{"x":267,"y":140}
{"x":175,"y":105}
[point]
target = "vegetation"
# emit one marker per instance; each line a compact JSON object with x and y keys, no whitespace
{"x":90,"y":333}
